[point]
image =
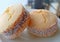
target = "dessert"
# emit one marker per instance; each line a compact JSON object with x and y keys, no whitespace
{"x":13,"y":21}
{"x":43,"y":23}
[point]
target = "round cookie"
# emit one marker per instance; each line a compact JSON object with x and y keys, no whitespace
{"x":13,"y":21}
{"x":43,"y":23}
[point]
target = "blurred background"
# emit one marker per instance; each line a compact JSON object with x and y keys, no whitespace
{"x":51,"y":5}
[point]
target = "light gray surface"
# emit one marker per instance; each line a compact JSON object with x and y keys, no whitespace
{"x":27,"y":37}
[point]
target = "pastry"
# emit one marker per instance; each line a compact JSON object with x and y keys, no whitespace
{"x":13,"y":21}
{"x":43,"y":23}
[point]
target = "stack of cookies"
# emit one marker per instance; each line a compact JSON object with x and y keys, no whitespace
{"x":15,"y":19}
